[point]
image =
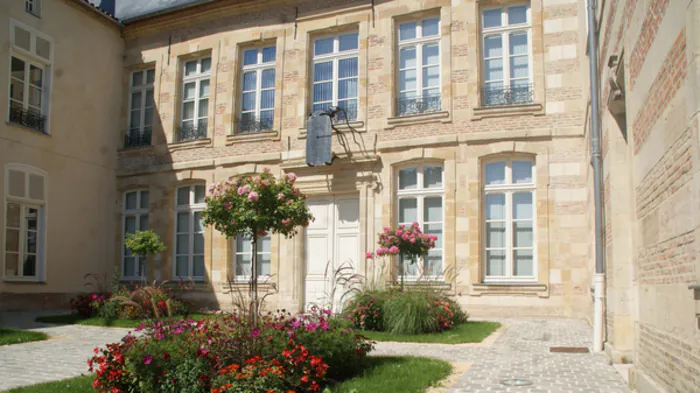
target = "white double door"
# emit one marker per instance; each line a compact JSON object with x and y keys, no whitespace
{"x":332,"y":244}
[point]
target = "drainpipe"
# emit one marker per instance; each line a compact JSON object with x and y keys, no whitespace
{"x":599,"y":279}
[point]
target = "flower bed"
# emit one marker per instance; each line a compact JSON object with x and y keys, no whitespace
{"x":227,"y":354}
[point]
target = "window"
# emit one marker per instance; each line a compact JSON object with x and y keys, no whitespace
{"x":189,"y":232}
{"x":30,"y":65}
{"x":33,"y":7}
{"x":507,"y":56}
{"x":509,"y":212}
{"x":243,"y":256}
{"x":258,"y":90}
{"x":335,"y":68}
{"x":420,"y":199}
{"x":419,"y":67}
{"x":141,"y":106}
{"x":135,"y":213}
{"x":25,"y":218}
{"x":195,"y":99}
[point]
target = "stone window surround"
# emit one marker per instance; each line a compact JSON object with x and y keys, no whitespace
{"x":190,"y":208}
{"x":537,"y":47}
{"x":176,"y":104}
{"x":137,"y":213}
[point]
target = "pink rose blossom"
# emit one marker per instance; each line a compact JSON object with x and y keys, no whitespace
{"x":292,"y":177}
{"x":286,"y":221}
{"x":147,"y":359}
{"x":393,"y":250}
{"x":413,"y":240}
{"x":368,"y":255}
{"x":399,"y":232}
{"x":280,"y":196}
{"x":253,"y":196}
{"x":415,"y":224}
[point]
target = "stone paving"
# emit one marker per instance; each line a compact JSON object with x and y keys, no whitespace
{"x":64,"y":355}
{"x":522,"y":351}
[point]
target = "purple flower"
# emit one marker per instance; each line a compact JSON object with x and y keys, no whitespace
{"x":327,"y":311}
{"x":310,"y":327}
{"x":147,"y":359}
{"x":325,"y":326}
{"x":296,"y":323}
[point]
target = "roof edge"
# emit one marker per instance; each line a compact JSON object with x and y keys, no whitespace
{"x":99,"y":11}
{"x":165,"y":11}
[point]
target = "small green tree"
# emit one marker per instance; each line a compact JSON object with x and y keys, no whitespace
{"x":144,"y":243}
{"x":251,"y":206}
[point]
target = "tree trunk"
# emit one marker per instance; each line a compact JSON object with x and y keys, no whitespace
{"x":254,"y":282}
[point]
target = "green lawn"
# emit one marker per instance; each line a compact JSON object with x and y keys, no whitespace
{"x":385,"y":375}
{"x":468,"y":332}
{"x":95,"y":321}
{"x":15,"y":336}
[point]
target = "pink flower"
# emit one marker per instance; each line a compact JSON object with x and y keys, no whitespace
{"x":286,"y":221}
{"x":393,"y":250}
{"x":404,"y":237}
{"x":297,"y":192}
{"x":292,"y":177}
{"x":255,"y":332}
{"x":399,"y":232}
{"x":147,"y":359}
{"x":369,"y":255}
{"x":415,"y":224}
{"x":280,"y":196}
{"x":241,"y":190}
{"x":233,"y":221}
{"x":413,"y":240}
{"x":253,"y":196}
{"x":380,"y":251}
{"x":228,"y":205}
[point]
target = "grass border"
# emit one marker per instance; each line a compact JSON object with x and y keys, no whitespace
{"x":71,"y":319}
{"x":464,"y":333}
{"x":10,"y":336}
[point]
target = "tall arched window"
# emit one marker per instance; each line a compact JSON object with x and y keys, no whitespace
{"x":135,"y":214}
{"x":25,"y":223}
{"x":189,"y":232}
{"x":509,"y":218}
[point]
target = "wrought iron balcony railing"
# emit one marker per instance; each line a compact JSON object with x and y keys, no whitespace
{"x":137,"y":139}
{"x":348,"y":112}
{"x":192,"y":133}
{"x":27,"y":118}
{"x":418,"y":105}
{"x":254,"y":125}
{"x":516,"y":95}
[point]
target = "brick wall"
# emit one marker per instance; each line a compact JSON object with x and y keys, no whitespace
{"x":670,"y":360}
{"x":654,"y":15}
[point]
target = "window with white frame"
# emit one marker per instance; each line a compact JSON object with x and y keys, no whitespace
{"x":257,"y":90}
{"x":335,"y":74}
{"x":189,"y":232}
{"x":30,"y":69}
{"x":25,"y":223}
{"x":195,"y":99}
{"x":420,"y":199}
{"x":33,"y":7}
{"x":141,"y":107}
{"x":419,"y":67}
{"x":507,"y":55}
{"x":243,"y":256}
{"x":135,"y":218}
{"x":509,"y":216}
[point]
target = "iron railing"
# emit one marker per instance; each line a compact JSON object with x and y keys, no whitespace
{"x":254,"y":125}
{"x":418,"y":105}
{"x":27,"y":118}
{"x":517,"y":95}
{"x":137,"y":139}
{"x":347,"y":112}
{"x":192,"y":133}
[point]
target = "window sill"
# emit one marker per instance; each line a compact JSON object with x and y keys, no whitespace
{"x":510,"y":288}
{"x":483,"y":112}
{"x":134,"y":150}
{"x":343,"y":127}
{"x":34,"y":130}
{"x":267,"y":286}
{"x":252,"y":137}
{"x":443,"y":116}
{"x":23,"y":281}
{"x":189,"y":144}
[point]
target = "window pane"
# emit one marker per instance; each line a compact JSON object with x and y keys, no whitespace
{"x":495,"y":263}
{"x":348,"y":41}
{"x":408,"y":179}
{"x":519,"y":67}
{"x":243,"y":264}
{"x":407,"y":57}
{"x":350,"y":107}
{"x":408,"y":210}
{"x":181,"y":268}
{"x":517,"y":15}
{"x":143,"y":222}
{"x":492,"y":18}
{"x":408,"y":80}
{"x":431,"y":55}
{"x":243,"y":245}
{"x":518,"y":43}
{"x":188,"y":110}
{"x":190,"y":68}
{"x":495,"y":207}
{"x":522,"y":205}
{"x":347,"y":67}
{"x":150,"y":76}
{"x":323,"y":46}
{"x":17,"y":68}
{"x":493,"y":69}
{"x":431,"y":27}
{"x":189,"y":90}
{"x":522,"y":234}
{"x":198,"y":246}
{"x":129,"y":267}
{"x":431,"y":76}
{"x":136,"y":100}
{"x":130,"y":225}
{"x":34,"y":97}
{"x":30,"y":244}
{"x":36,"y":187}
{"x":322,"y":107}
{"x":137,"y":78}
{"x":323,"y":92}
{"x":434,"y":229}
{"x":203,"y":108}
{"x":493,"y":46}
{"x":22,"y":38}
{"x":206,"y":65}
{"x":249,"y":101}
{"x":523,"y":263}
{"x":198,"y":261}
{"x":266,"y":118}
{"x":495,"y":234}
{"x":432,"y":209}
{"x":204,"y":88}
{"x":31,"y":216}
{"x":347,"y":88}
{"x":522,"y":172}
{"x":263,"y":264}
{"x":323,"y":71}
{"x":35,"y":76}
{"x":183,"y":222}
{"x":495,"y":173}
{"x":29,"y":266}
{"x":250,"y":57}
{"x":249,"y":80}
{"x":407,"y":31}
{"x":183,"y":244}
{"x":268,"y":79}
{"x":13,"y":215}
{"x":43,"y":48}
{"x":432,"y":177}
{"x":131,"y":200}
{"x":12,"y":240}
{"x":17,"y":90}
{"x":264,"y":244}
{"x":433,"y":263}
{"x":269,"y":54}
{"x":267,"y":99}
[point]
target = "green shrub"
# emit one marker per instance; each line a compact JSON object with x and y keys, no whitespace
{"x":366,"y":310}
{"x":409,"y":313}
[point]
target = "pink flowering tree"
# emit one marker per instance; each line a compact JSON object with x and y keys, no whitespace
{"x":252,"y":206}
{"x":407,"y":242}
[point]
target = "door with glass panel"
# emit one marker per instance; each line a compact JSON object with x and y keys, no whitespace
{"x":189,"y":232}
